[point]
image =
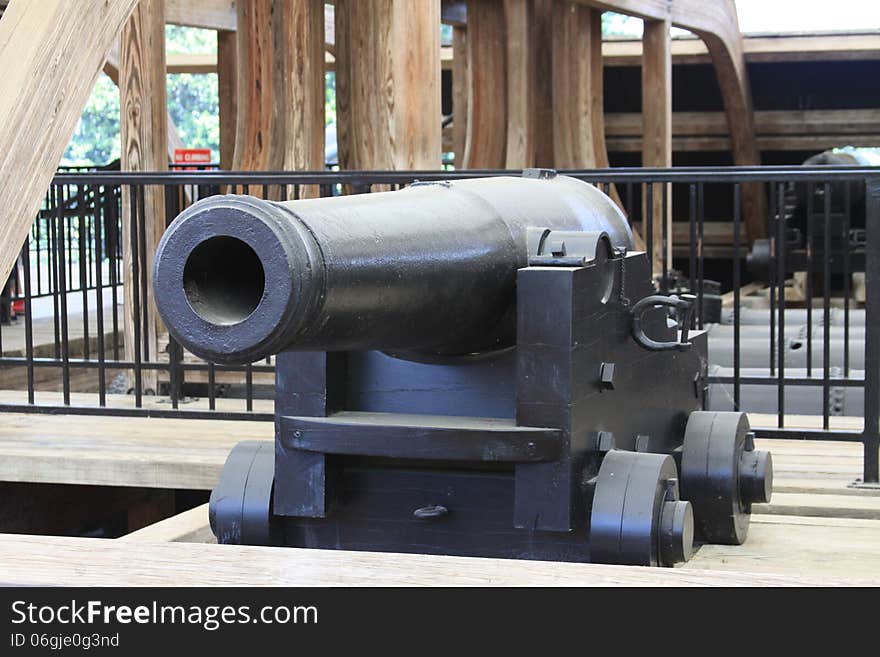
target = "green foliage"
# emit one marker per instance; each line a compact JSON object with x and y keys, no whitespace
{"x":194,"y":108}
{"x":330,"y":97}
{"x":620,"y":25}
{"x":192,"y":102}
{"x":96,"y":139}
{"x":189,"y":40}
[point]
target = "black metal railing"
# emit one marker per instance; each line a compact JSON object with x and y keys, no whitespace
{"x":823,"y":227}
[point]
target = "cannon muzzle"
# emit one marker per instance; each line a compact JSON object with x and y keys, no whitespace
{"x":428,"y":269}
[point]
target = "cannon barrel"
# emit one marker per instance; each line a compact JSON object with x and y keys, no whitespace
{"x":430,"y":268}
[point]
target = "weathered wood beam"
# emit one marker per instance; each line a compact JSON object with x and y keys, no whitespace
{"x":255,"y":51}
{"x":302,"y":41}
{"x":388,"y":84}
{"x":144,"y":133}
{"x":460,"y":77}
{"x":227,"y":95}
{"x":196,"y":63}
{"x":572,"y":87}
{"x":58,"y":48}
{"x":597,"y":95}
{"x":716,"y":24}
{"x":657,"y":135}
{"x":776,"y":130}
{"x":521,"y":63}
{"x":206,"y":14}
{"x":543,"y":32}
{"x":759,"y":48}
{"x":71,"y":561}
{"x":190,"y":526}
{"x":486,"y":139}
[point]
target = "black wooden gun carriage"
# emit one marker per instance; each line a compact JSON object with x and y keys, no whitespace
{"x":478,"y":367}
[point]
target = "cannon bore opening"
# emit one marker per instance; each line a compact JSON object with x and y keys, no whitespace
{"x":223,"y":280}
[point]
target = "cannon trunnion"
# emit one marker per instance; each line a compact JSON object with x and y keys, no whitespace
{"x":472,"y":368}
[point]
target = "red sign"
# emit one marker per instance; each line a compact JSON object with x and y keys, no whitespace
{"x":192,"y":156}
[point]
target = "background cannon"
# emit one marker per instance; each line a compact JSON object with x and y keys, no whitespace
{"x":478,"y":367}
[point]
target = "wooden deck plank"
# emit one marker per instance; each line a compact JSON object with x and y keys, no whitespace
{"x":157,"y":402}
{"x":13,"y":334}
{"x":191,"y":526}
{"x":814,"y":525}
{"x":777,"y":544}
{"x":836,"y":547}
{"x":184,"y":453}
{"x":40,"y":560}
{"x":119,"y":451}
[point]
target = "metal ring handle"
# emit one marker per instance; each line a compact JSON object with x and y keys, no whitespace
{"x":681,"y":304}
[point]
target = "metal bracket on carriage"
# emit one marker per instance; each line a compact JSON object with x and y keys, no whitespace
{"x":682,"y":305}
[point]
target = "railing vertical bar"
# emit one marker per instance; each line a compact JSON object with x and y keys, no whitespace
{"x":147,"y":330}
{"x":62,"y":285}
{"x":52,"y":245}
{"x":112,"y":227}
{"x":212,"y":397}
{"x":68,"y":237}
{"x":826,"y":319}
{"x":701,"y":256}
{"x":37,"y":224}
{"x":809,"y":254}
{"x":692,"y":241}
{"x":780,"y":276}
{"x":847,"y":276}
{"x":90,"y":225}
{"x":737,"y":227}
{"x":28,"y":318}
{"x":83,"y":274}
{"x":99,"y":294}
{"x":649,"y":224}
{"x":871,"y":430}
{"x":135,"y":292}
{"x":664,"y":234}
{"x":249,"y":386}
{"x":771,"y":275}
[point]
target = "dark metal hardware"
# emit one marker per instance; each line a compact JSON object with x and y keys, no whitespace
{"x":683,"y":306}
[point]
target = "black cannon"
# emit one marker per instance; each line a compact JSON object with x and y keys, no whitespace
{"x":478,"y":367}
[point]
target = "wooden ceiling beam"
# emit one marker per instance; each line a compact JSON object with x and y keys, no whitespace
{"x":717,"y":25}
{"x":205,"y":14}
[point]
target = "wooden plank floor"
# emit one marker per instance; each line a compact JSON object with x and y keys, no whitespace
{"x":815,"y":526}
{"x":150,"y":402}
{"x":827,"y":546}
{"x":184,"y":453}
{"x":36,"y":560}
{"x":13,"y":336}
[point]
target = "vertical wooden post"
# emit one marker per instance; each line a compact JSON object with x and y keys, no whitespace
{"x":144,"y":132}
{"x":486,"y":140}
{"x":597,"y":111}
{"x":597,"y":93}
{"x":521,"y":71}
{"x":280,"y":76}
{"x":460,"y":81}
{"x":657,"y":127}
{"x":543,"y":30}
{"x":302,"y":67}
{"x":227,"y":90}
{"x":388,"y":84}
{"x":255,"y":49}
{"x":572,"y":86}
